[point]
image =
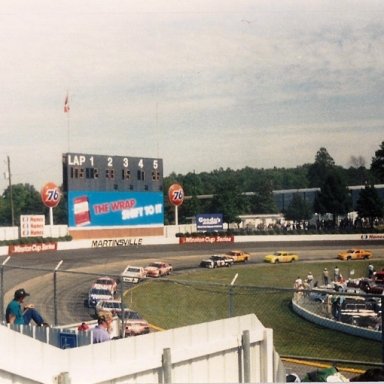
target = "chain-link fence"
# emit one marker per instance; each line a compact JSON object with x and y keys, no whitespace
{"x":62,"y":298}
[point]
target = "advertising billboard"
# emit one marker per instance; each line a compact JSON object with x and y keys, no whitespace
{"x":32,"y":225}
{"x":106,"y":209}
{"x":209,"y":221}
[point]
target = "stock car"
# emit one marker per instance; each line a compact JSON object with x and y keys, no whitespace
{"x":97,"y":294}
{"x":133,"y":274}
{"x":355,"y":254}
{"x":238,"y":256}
{"x":158,"y":269}
{"x":216,"y":261}
{"x":114,"y":306}
{"x":106,"y":282}
{"x":134,"y":324}
{"x":281,"y":257}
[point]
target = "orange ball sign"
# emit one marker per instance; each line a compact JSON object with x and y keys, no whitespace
{"x":50,"y":195}
{"x":176,"y":194}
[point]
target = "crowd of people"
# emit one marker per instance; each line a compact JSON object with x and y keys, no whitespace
{"x":310,"y":283}
{"x":339,"y":305}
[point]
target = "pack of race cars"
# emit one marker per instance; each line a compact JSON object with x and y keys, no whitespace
{"x":103,"y":295}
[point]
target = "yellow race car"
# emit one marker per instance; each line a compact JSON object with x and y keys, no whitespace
{"x":281,"y":257}
{"x":238,"y":256}
{"x":355,"y":254}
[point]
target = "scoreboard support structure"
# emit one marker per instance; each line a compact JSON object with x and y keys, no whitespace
{"x":113,"y":196}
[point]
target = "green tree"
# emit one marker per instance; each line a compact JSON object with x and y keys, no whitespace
{"x":333,"y":197}
{"x":369,"y":205}
{"x":192,"y":186}
{"x":26,"y":201}
{"x":60,"y":213}
{"x":298,"y":210}
{"x":377,"y":164}
{"x":262,"y":201}
{"x":320,"y":169}
{"x":357,"y":173}
{"x":229,"y":201}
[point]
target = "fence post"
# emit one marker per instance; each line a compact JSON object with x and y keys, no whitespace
{"x":121,"y":289}
{"x":245,"y":340}
{"x":230,"y":296}
{"x":167,"y":365}
{"x":382,"y":332}
{"x":230,"y":301}
{"x":63,"y":378}
{"x":55,"y":291}
{"x":2,"y":293}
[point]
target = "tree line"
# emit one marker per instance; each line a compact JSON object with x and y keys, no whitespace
{"x":245,"y":191}
{"x":229,"y":189}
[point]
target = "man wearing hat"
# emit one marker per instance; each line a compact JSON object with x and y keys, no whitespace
{"x":103,"y":327}
{"x":19,"y":313}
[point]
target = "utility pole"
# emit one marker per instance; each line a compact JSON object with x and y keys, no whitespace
{"x":10,"y":191}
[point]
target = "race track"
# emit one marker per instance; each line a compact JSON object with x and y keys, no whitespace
{"x":34,"y":272}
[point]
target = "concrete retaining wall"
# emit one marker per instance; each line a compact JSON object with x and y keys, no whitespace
{"x":336,"y":325}
{"x":231,"y":350}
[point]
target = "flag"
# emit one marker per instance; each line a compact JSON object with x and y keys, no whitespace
{"x":66,"y":104}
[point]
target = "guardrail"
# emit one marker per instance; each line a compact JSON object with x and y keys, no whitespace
{"x":315,"y":315}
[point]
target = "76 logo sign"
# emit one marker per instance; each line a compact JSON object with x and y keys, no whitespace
{"x":176,"y":194}
{"x":50,"y":195}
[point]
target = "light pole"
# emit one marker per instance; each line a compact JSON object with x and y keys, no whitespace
{"x":10,"y":191}
{"x":55,"y":290}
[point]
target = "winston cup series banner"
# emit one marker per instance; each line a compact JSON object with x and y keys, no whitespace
{"x":102,"y":209}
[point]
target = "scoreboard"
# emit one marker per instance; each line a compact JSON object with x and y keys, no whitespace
{"x":113,"y":191}
{"x":111,"y":173}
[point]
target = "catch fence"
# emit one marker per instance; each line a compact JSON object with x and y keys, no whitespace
{"x":174,"y":301}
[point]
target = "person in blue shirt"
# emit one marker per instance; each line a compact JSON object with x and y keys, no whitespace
{"x":103,"y":327}
{"x":19,"y":313}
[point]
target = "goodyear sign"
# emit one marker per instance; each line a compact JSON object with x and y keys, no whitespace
{"x":209,"y":221}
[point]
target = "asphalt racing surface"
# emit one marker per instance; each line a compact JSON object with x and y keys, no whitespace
{"x":34,"y":271}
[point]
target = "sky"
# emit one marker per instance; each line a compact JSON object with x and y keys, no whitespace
{"x":200,"y":84}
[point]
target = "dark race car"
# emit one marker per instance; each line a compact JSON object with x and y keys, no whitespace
{"x":216,"y":261}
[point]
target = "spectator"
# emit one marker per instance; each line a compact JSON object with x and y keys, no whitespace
{"x":372,"y":374}
{"x":336,"y":274}
{"x":336,"y":308}
{"x":19,"y":313}
{"x":306,"y":287}
{"x":310,"y":280}
{"x":103,"y":327}
{"x":83,"y":327}
{"x":371,"y":271}
{"x":325,"y":276}
{"x":298,"y":283}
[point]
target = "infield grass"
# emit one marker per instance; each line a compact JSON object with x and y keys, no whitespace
{"x":204,"y":295}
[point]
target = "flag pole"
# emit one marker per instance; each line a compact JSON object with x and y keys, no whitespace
{"x":67,"y":110}
{"x":68,"y":132}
